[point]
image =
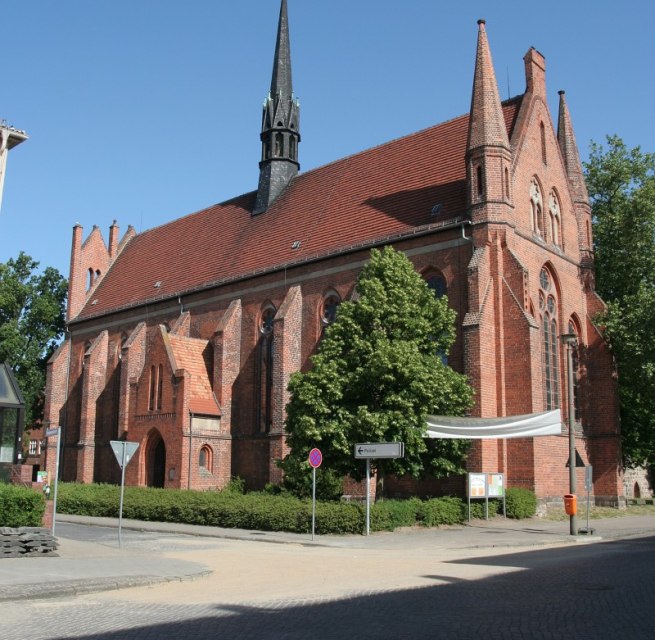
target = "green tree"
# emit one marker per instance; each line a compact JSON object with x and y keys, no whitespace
{"x":379,"y":371}
{"x":32,"y":321}
{"x":621,"y":184}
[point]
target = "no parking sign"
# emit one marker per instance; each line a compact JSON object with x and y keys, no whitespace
{"x":315,"y":458}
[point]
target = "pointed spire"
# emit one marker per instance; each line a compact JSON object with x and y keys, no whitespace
{"x":281,"y":80}
{"x":280,"y":133}
{"x":487,"y":125}
{"x":569,"y":149}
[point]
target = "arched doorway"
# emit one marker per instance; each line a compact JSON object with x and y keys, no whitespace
{"x":155,"y":461}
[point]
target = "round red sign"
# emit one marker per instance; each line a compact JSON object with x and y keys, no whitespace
{"x":315,"y":458}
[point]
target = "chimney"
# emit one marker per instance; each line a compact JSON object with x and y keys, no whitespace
{"x":113,"y":239}
{"x":535,"y":72}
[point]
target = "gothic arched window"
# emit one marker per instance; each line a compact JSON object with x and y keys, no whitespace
{"x":437,"y":283}
{"x":575,"y":360}
{"x":536,"y":206}
{"x":264,"y":372}
{"x":153,"y":388}
{"x":205,"y":458}
{"x":160,"y":385}
{"x":329,"y":311}
{"x":550,"y":340}
{"x":555,"y":220}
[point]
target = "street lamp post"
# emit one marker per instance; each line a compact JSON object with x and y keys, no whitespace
{"x":571,"y":340}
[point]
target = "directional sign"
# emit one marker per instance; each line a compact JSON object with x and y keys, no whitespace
{"x":380,"y":450}
{"x":315,"y":458}
{"x":53,"y":431}
{"x":119,"y":445}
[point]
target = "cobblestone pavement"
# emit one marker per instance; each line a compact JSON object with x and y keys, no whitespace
{"x":604,"y":590}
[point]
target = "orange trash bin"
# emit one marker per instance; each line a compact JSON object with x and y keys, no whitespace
{"x":570,"y":504}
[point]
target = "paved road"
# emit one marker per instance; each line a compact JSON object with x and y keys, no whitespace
{"x":272,"y":591}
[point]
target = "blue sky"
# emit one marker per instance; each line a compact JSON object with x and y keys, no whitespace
{"x":146,"y":110}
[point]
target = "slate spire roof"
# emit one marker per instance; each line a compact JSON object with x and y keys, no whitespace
{"x":280,"y":134}
{"x":281,"y":80}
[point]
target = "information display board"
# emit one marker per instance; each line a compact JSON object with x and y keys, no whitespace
{"x":482,"y":486}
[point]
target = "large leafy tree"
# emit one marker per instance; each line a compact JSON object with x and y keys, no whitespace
{"x":32,"y":321}
{"x":621,"y":184}
{"x":379,"y":371}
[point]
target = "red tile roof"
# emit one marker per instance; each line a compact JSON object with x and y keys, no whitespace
{"x":385,"y":191}
{"x":191,"y":354}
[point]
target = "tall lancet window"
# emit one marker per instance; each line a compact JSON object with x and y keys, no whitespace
{"x":550,"y":340}
{"x":536,"y":207}
{"x":575,"y":358}
{"x":264,"y":372}
{"x":554,"y":219}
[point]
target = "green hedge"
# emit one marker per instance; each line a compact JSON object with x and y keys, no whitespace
{"x":520,"y":503}
{"x":264,"y":511}
{"x":20,"y":507}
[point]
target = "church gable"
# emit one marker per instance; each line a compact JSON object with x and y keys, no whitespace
{"x":544,"y":208}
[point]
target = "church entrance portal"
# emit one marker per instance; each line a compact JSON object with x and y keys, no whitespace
{"x":156,"y":461}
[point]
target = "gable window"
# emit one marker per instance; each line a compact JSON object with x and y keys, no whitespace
{"x":153,"y":387}
{"x":544,"y":157}
{"x":554,"y":219}
{"x":264,"y":370}
{"x":550,"y":340}
{"x":160,"y":385}
{"x":536,"y":207}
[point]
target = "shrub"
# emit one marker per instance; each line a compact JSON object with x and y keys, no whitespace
{"x":388,"y":515}
{"x":440,"y":511}
{"x":520,"y":503}
{"x":270,"y":511}
{"x":20,"y":507}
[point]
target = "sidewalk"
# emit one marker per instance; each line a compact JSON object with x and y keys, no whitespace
{"x":89,"y":559}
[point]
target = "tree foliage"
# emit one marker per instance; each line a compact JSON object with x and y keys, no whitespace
{"x":621,"y":184}
{"x":378,"y":372}
{"x":32,"y":320}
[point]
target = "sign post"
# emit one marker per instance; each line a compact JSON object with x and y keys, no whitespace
{"x":51,"y":432}
{"x":315,"y":460}
{"x":123,"y":451}
{"x":368,"y":450}
{"x":588,"y":485}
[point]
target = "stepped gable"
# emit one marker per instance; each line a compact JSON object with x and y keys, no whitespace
{"x":386,"y":191}
{"x":191,"y":354}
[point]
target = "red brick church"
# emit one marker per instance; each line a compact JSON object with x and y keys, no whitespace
{"x":183,"y":337}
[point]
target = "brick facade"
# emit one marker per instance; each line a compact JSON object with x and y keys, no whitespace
{"x":176,"y":347}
